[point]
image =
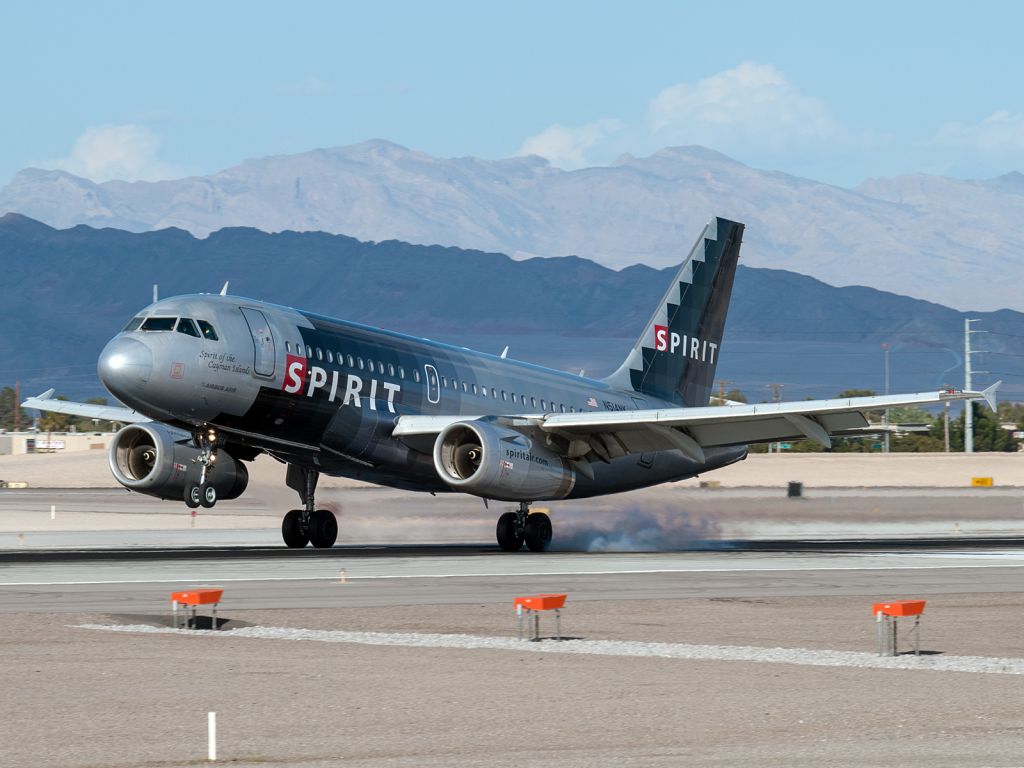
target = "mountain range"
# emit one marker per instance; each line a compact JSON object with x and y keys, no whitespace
{"x":67,"y":291}
{"x":954,"y":242}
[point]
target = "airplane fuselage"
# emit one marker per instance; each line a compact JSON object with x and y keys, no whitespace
{"x":326,"y":393}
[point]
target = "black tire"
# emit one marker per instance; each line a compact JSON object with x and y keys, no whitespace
{"x":193,"y":497}
{"x":207,"y":495}
{"x":291,"y":530}
{"x":323,"y":529}
{"x":537,"y":532}
{"x":510,"y":538}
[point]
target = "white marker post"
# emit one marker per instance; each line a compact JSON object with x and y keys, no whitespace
{"x":211,"y":746}
{"x":53,"y":511}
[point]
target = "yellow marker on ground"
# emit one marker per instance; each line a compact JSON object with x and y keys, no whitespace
{"x":981,"y":482}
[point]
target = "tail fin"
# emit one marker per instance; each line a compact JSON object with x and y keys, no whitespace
{"x":676,"y":356}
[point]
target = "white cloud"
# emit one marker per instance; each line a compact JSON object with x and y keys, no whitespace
{"x":568,"y":148}
{"x":751,"y":105}
{"x":751,"y":111}
{"x":999,"y":133}
{"x":128,"y":152}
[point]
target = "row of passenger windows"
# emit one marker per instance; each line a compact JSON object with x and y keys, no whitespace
{"x":200,"y":329}
{"x":391,"y":370}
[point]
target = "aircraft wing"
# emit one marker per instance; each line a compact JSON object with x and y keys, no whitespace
{"x":611,"y":434}
{"x":691,"y":430}
{"x":46,"y":402}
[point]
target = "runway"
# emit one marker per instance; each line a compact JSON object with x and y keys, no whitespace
{"x":76,"y":552}
{"x":437,"y":576}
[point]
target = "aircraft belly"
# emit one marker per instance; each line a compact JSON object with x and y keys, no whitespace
{"x":635,"y":471}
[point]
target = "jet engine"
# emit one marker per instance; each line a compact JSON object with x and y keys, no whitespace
{"x":496,"y":462}
{"x":160,"y":461}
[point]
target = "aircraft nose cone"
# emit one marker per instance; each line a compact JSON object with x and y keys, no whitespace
{"x":125,"y":365}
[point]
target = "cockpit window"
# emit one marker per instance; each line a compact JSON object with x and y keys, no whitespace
{"x":133,"y":324}
{"x":186,"y":326}
{"x":159,"y":323}
{"x":207,"y":330}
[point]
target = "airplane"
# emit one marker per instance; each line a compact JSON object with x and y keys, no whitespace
{"x":211,"y":381}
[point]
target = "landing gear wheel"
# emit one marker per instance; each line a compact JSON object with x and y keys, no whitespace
{"x":207,"y":495}
{"x":323,"y":529}
{"x":537,"y":532}
{"x":510,"y":537}
{"x":193,"y":498}
{"x":292,"y":530}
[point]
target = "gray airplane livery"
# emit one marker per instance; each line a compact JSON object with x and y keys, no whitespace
{"x":212,"y":381}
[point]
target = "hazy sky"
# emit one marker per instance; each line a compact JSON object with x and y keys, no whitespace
{"x":835,"y":92}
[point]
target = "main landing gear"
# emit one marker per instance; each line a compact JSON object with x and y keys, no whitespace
{"x":308,"y":525}
{"x":519,"y":527}
{"x":203,"y":493}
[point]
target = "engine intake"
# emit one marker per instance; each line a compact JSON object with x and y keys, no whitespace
{"x":497,"y":462}
{"x":158,"y":460}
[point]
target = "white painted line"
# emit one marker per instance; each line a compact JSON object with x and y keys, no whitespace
{"x":512,"y":574}
{"x":681,"y":651}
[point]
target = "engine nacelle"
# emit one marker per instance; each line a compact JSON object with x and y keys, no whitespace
{"x":160,"y":461}
{"x":496,"y":462}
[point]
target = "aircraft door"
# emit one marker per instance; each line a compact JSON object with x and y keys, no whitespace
{"x":262,"y":341}
{"x":433,"y":384}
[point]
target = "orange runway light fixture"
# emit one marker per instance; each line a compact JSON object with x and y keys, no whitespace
{"x":194,"y":598}
{"x":888,"y":615}
{"x":535,"y":604}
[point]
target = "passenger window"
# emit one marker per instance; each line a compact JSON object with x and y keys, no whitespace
{"x":319,"y":354}
{"x":380,"y":367}
{"x":288,"y":347}
{"x":207,"y":330}
{"x":298,"y":349}
{"x":186,"y":326}
{"x":369,"y":365}
{"x":533,"y":402}
{"x":543,"y":405}
{"x":351,"y":362}
{"x":416,"y":375}
{"x":133,"y":324}
{"x":512,"y":396}
{"x":561,"y":407}
{"x":465,"y":387}
{"x":159,"y":323}
{"x":309,"y":352}
{"x":359,"y":362}
{"x":401,"y":372}
{"x":474,"y":390}
{"x":503,"y":395}
{"x":391,"y":370}
{"x":330,"y":356}
{"x":494,"y":393}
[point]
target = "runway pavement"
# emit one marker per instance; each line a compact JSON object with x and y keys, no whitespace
{"x":842,"y":542}
{"x":382,"y":577}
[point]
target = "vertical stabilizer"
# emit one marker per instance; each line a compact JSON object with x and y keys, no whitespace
{"x":676,"y":355}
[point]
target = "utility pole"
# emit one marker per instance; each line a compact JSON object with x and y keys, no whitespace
{"x":945,"y":419}
{"x":721,"y":388}
{"x":968,"y":371}
{"x":885,"y":414}
{"x":17,"y":406}
{"x":776,"y":398}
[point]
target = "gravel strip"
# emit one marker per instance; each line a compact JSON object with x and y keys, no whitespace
{"x":800,"y":656}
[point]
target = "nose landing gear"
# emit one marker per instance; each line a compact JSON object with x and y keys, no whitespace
{"x":308,"y":525}
{"x":519,"y":527}
{"x":203,"y":493}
